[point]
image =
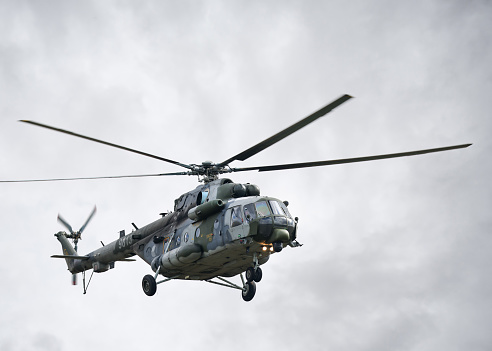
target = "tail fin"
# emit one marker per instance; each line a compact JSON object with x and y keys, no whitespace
{"x":68,"y":249}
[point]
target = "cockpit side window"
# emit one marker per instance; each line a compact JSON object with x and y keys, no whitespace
{"x":249,"y":212}
{"x":276,"y":208}
{"x":262,"y":209}
{"x":236,"y":216}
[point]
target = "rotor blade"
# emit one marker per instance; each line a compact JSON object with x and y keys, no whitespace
{"x":91,"y":178}
{"x":65,"y":223}
{"x":286,"y":132}
{"x":106,"y":143}
{"x":346,"y":160}
{"x":88,"y":220}
{"x":74,"y":279}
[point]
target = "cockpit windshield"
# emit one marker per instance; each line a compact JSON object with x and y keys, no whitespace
{"x":262,"y":209}
{"x":284,"y":207}
{"x":277,"y":210}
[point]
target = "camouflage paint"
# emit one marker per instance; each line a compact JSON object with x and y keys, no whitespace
{"x":197,"y":241}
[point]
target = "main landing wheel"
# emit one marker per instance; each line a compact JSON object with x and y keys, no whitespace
{"x":149,"y":285}
{"x":249,"y":291}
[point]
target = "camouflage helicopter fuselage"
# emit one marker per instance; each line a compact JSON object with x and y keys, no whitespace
{"x":219,"y":229}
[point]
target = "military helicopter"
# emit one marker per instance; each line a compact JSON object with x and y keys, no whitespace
{"x":216,"y":231}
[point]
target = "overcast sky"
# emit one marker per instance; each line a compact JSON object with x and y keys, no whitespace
{"x":397,"y":253}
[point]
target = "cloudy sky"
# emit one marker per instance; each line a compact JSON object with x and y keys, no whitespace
{"x":397,"y":253}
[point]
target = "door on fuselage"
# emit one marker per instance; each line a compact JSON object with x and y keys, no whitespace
{"x":238,"y":226}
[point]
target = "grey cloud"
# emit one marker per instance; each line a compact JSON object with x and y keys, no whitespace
{"x":396,"y":252}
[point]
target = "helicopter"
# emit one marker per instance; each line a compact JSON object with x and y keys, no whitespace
{"x":216,"y":231}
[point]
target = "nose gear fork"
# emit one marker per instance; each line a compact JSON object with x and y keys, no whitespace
{"x":254,"y":273}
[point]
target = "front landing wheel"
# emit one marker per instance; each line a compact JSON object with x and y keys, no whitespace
{"x":258,"y":275}
{"x":250,"y":274}
{"x":149,"y":285}
{"x":249,"y":291}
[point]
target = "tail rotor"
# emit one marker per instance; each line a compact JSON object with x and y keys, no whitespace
{"x":76,"y":235}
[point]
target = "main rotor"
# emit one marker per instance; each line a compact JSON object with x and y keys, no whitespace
{"x":208,"y":171}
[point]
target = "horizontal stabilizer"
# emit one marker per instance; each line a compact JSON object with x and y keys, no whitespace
{"x":75,"y":257}
{"x":71,"y":256}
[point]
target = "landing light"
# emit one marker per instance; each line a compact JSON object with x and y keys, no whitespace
{"x":265,"y":248}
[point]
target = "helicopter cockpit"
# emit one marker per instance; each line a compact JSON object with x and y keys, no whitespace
{"x":268,"y":220}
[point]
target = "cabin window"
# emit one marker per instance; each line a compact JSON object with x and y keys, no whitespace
{"x":202,"y":197}
{"x":262,"y":209}
{"x":236,"y":217}
{"x":276,"y":208}
{"x":249,"y":212}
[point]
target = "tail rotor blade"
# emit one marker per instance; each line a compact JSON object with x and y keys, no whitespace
{"x":88,"y":220}
{"x":65,"y":223}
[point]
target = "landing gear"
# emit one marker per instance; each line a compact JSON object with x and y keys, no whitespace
{"x":258,"y":275}
{"x":249,"y":291}
{"x":253,"y":274}
{"x":248,"y":288}
{"x":149,"y":285}
{"x":83,"y":280}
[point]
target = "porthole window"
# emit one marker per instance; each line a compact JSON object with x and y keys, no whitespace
{"x":197,"y":232}
{"x":178,"y":240}
{"x":186,"y":237}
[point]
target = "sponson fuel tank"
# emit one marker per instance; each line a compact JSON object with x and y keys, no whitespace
{"x":178,"y":257}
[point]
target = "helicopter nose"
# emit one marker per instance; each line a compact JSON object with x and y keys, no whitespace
{"x":279,"y":235}
{"x":269,"y":233}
